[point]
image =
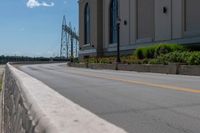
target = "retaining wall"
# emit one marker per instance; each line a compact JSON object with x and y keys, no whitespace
{"x":153,"y":68}
{"x":32,"y":107}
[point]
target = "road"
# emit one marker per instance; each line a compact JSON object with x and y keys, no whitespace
{"x":136,"y":102}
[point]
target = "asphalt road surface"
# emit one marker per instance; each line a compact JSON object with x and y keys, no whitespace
{"x":136,"y":102}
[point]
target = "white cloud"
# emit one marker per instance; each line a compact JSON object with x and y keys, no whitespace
{"x":36,"y":3}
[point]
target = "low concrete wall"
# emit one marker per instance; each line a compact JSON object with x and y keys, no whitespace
{"x":102,"y":66}
{"x":32,"y":107}
{"x":168,"y":69}
{"x":189,"y":70}
{"x":133,"y":67}
{"x":157,"y":68}
{"x":79,"y":65}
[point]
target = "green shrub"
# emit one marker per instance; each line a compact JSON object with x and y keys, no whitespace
{"x":128,"y":59}
{"x":162,"y":49}
{"x":190,"y":58}
{"x":194,"y":58}
{"x":157,"y":50}
{"x":102,"y":60}
{"x":140,"y":53}
{"x":146,"y":52}
{"x":177,"y":56}
{"x":76,"y":60}
{"x":158,"y":61}
{"x":149,"y":52}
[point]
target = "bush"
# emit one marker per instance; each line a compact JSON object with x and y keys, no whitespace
{"x":140,"y":53}
{"x":76,"y":60}
{"x":194,"y":58}
{"x":177,"y":56}
{"x":157,"y":50}
{"x":189,"y":58}
{"x":167,"y":48}
{"x":102,"y":60}
{"x":128,"y":59}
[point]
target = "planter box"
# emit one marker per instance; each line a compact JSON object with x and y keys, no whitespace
{"x":133,"y":67}
{"x":189,"y":70}
{"x":102,"y":66}
{"x":168,"y":69}
{"x":154,"y":68}
{"x":79,"y":65}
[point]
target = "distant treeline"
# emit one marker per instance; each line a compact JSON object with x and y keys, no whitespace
{"x":6,"y":59}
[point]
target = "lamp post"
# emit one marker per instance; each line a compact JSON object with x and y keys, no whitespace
{"x":118,"y":32}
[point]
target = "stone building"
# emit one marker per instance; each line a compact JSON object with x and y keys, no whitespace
{"x":143,"y":22}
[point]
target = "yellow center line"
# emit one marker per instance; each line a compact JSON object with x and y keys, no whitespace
{"x":141,"y":83}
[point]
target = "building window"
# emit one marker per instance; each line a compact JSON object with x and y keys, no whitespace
{"x":113,"y":21}
{"x":87,"y":24}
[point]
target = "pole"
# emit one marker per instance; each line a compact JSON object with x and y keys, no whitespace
{"x":118,"y":42}
{"x":118,"y":33}
{"x":72,"y":49}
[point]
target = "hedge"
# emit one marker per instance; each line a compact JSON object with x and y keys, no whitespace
{"x":157,"y":50}
{"x":189,"y":58}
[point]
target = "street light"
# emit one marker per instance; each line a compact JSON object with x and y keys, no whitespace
{"x":118,"y":32}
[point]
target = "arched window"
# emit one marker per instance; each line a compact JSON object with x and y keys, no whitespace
{"x":113,"y":21}
{"x":87,"y":23}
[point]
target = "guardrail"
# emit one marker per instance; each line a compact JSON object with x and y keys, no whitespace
{"x":31,"y":106}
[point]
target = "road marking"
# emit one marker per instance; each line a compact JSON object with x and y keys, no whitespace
{"x":141,"y":83}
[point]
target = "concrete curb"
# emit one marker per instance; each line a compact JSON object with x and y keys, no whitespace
{"x":193,"y":70}
{"x":31,"y":106}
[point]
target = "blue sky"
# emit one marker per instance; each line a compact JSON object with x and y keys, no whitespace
{"x":33,"y":27}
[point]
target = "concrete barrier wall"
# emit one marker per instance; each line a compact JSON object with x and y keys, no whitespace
{"x":1,"y":99}
{"x":32,"y":107}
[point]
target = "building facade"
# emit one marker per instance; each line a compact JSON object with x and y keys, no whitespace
{"x":142,"y":22}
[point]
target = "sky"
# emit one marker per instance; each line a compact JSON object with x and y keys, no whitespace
{"x":33,"y":27}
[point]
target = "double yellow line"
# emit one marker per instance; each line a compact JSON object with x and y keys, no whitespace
{"x":163,"y":86}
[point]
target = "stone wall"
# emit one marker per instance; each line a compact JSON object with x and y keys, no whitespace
{"x":32,"y":107}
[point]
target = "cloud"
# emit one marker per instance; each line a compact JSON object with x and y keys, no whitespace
{"x":36,"y":3}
